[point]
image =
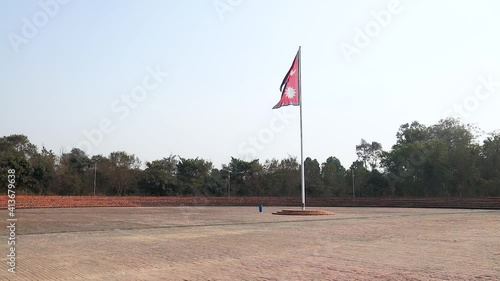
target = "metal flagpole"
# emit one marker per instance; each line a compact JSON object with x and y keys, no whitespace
{"x":352,"y":172}
{"x":303,"y":182}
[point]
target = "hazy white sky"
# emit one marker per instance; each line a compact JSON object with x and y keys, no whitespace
{"x":91,"y":74}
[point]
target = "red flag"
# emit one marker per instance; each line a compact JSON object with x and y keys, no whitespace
{"x":290,"y":86}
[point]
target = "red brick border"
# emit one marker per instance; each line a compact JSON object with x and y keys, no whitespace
{"x":28,"y":201}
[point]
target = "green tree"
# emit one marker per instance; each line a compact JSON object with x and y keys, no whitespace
{"x":215,"y":185}
{"x":159,"y":177}
{"x":412,"y":133}
{"x":124,"y":173}
{"x":44,"y":169}
{"x":16,"y":152}
{"x":334,"y":177}
{"x":272,"y":178}
{"x":489,"y":165}
{"x":290,"y":170}
{"x":360,"y":178}
{"x":192,"y":175}
{"x":103,"y":175}
{"x":312,"y":175}
{"x":245,"y":177}
{"x":369,"y":153}
{"x":73,"y":176}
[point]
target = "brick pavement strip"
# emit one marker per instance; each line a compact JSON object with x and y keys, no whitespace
{"x":239,"y":243}
{"x":29,"y":201}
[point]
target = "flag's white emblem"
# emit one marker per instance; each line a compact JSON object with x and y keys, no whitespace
{"x":290,"y":92}
{"x":292,"y":72}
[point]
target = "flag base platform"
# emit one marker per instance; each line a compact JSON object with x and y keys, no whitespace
{"x":304,"y":213}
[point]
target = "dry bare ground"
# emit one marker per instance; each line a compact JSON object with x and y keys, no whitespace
{"x":239,"y":243}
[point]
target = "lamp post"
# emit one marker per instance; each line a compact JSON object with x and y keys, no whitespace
{"x":228,"y":181}
{"x":352,"y":172}
{"x":95,"y":174}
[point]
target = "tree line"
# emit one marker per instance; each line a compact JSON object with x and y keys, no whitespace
{"x":442,"y":160}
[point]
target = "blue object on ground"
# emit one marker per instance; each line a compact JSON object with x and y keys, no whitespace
{"x":260,"y":208}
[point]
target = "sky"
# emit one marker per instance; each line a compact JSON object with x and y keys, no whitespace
{"x":199,"y":78}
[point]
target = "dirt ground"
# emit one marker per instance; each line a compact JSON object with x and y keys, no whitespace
{"x":239,"y":243}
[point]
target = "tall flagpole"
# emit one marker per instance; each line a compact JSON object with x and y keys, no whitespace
{"x":303,"y":182}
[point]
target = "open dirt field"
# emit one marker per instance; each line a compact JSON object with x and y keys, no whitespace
{"x":239,"y":243}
